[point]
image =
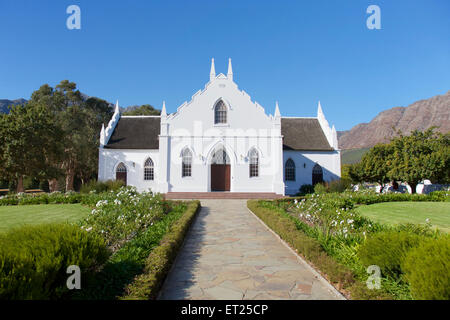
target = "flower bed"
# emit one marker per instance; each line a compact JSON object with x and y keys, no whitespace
{"x":330,"y":219}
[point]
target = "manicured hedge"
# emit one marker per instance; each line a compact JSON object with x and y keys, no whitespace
{"x":341,"y":276}
{"x":147,"y":285}
{"x":34,"y":260}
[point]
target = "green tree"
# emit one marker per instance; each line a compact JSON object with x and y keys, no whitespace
{"x":419,"y":156}
{"x":144,"y":110}
{"x":374,"y":165}
{"x":27,"y":145}
{"x":80,"y":121}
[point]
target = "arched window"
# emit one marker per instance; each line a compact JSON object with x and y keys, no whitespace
{"x":121,"y":168}
{"x":220,"y":113}
{"x":121,"y":173}
{"x":186,"y":170}
{"x":149,"y":170}
{"x":254,"y":163}
{"x":289,"y":170}
{"x":317,"y":174}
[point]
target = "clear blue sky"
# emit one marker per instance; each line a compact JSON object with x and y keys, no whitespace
{"x":296,"y":52}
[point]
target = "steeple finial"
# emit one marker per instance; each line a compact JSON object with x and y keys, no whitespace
{"x":212,"y":73}
{"x":319,"y":109}
{"x":277,"y":110}
{"x":163,"y":110}
{"x":117,"y":109}
{"x":102,"y":135}
{"x":230,"y":70}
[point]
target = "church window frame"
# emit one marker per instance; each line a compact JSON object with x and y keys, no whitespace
{"x":289,"y":170}
{"x":220,"y":113}
{"x":254,"y":163}
{"x":186,"y":163}
{"x":149,"y":170}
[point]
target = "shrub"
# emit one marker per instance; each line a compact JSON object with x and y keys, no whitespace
{"x":339,"y":185}
{"x":100,"y":186}
{"x":427,"y":269}
{"x":388,"y":250}
{"x":306,"y":189}
{"x":34,"y":259}
{"x":320,"y":188}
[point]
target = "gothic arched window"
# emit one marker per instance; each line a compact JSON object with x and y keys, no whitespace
{"x":149,"y":170}
{"x":254,"y":163}
{"x":317,"y":174}
{"x":186,"y":170}
{"x":289,"y":170}
{"x":220,"y":113}
{"x":121,"y":173}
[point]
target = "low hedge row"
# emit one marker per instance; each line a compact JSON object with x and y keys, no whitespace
{"x":372,"y":197}
{"x":339,"y":275}
{"x":147,"y":285}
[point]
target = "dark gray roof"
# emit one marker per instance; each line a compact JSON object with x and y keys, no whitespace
{"x":303,"y":134}
{"x":135,"y":133}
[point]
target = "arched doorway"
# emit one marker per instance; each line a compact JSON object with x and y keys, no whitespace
{"x":220,"y":170}
{"x":121,"y":173}
{"x":317,"y":174}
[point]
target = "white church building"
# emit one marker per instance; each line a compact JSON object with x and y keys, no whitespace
{"x":219,"y":141}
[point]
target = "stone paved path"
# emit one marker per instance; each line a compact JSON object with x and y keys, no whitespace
{"x":229,"y":254}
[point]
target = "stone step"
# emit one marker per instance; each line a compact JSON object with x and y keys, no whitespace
{"x":222,"y":195}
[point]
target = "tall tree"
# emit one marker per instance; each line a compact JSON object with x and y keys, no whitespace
{"x":419,"y":156}
{"x":27,"y":148}
{"x":80,"y":122}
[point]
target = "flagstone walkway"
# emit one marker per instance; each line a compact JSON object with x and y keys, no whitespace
{"x":229,"y":254}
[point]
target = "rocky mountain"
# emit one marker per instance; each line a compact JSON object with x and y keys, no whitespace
{"x":4,"y":103}
{"x":420,"y":115}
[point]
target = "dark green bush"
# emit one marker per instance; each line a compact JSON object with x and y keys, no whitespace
{"x":339,"y":185}
{"x":388,"y":249}
{"x":320,"y":188}
{"x":306,"y":189}
{"x":34,"y":260}
{"x":427,"y":269}
{"x":100,"y":186}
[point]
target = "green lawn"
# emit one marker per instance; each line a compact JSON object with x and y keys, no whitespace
{"x":414,"y":212}
{"x":14,"y":216}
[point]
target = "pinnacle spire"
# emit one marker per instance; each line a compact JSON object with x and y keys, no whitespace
{"x":277,"y":110}
{"x":102,"y":135}
{"x":117,"y":109}
{"x":319,"y":109}
{"x":163,"y":110}
{"x":212,"y":73}
{"x":230,"y":70}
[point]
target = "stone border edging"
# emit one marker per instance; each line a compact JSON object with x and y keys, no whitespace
{"x":300,"y":259}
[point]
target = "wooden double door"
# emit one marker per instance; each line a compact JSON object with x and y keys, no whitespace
{"x":220,"y":177}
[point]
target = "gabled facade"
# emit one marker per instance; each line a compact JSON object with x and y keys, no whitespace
{"x":220,"y":140}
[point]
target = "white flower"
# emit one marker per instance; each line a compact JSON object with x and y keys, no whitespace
{"x":427,"y":220}
{"x":89,"y":229}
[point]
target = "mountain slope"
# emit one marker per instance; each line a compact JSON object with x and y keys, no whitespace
{"x":4,"y":103}
{"x":420,"y":115}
